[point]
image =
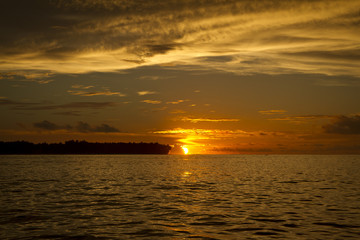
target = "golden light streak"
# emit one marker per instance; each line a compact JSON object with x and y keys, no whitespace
{"x":196,"y":120}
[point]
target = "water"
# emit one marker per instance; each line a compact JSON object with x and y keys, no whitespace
{"x":179,"y":197}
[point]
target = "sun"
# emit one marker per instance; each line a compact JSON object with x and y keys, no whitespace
{"x":185,"y":149}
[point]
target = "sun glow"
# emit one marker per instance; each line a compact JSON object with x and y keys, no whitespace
{"x":185,"y":149}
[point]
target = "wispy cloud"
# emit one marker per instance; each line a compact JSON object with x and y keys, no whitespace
{"x":35,"y":75}
{"x":176,"y":102}
{"x":142,"y":93}
{"x":151,"y":101}
{"x":41,"y":106}
{"x":44,"y":81}
{"x":303,"y":118}
{"x":96,"y":93}
{"x":149,"y":77}
{"x":196,"y":120}
{"x":4,"y":101}
{"x":77,"y":86}
{"x":260,"y":36}
{"x":69,"y":113}
{"x":271,"y":112}
{"x":79,"y":90}
{"x":40,"y":77}
{"x":93,"y":105}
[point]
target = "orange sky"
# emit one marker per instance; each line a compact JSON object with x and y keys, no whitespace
{"x":254,"y":77}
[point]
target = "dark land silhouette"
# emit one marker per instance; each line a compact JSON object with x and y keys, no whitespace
{"x":82,"y":147}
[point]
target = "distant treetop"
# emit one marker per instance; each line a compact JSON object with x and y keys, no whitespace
{"x":82,"y":147}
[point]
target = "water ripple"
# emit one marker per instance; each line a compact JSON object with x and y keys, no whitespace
{"x":169,"y":197}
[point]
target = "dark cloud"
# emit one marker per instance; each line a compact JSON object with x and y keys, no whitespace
{"x":80,"y":127}
{"x":59,"y":29}
{"x":105,"y":128}
{"x":85,"y":127}
{"x":11,"y":102}
{"x":46,"y":125}
{"x":94,"y":105}
{"x":344,"y":125}
{"x":17,"y":105}
{"x":349,"y":55}
{"x":76,"y":105}
{"x":161,"y":48}
{"x":8,"y":102}
{"x":69,"y":113}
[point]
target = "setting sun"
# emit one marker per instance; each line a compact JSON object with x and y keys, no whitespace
{"x":186,"y":150}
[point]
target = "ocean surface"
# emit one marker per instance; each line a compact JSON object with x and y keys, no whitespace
{"x":179,"y":197}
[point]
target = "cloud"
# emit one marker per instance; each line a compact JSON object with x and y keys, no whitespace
{"x":153,"y":78}
{"x":98,"y":93}
{"x":341,"y":82}
{"x":304,"y":118}
{"x":76,"y":86}
{"x":4,"y":101}
{"x":177,"y":102}
{"x":344,"y":125}
{"x":82,"y":127}
{"x":151,"y":101}
{"x":243,"y":37}
{"x":178,"y":111}
{"x":40,"y":77}
{"x":16,"y":104}
{"x":80,"y":91}
{"x":44,"y":81}
{"x":213,"y":133}
{"x":8,"y":75}
{"x":142,"y":93}
{"x":196,"y":120}
{"x":105,"y":128}
{"x":270,"y":112}
{"x":81,"y":105}
{"x":41,"y":106}
{"x":86,"y":128}
{"x":69,"y":113}
{"x":46,"y":125}
{"x":35,"y":75}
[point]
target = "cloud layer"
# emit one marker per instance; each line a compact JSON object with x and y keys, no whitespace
{"x":344,"y":125}
{"x":17,"y":105}
{"x":82,"y":127}
{"x":244,"y":37}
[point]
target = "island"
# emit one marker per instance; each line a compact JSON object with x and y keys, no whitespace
{"x":82,"y":147}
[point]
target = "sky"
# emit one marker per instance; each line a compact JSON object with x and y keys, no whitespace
{"x":219,"y":77}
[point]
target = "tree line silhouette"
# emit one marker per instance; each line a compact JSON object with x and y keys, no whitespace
{"x":82,"y":147}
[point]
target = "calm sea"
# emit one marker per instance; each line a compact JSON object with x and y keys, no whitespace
{"x":179,"y":197}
